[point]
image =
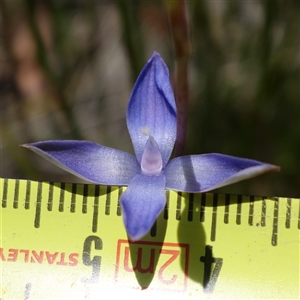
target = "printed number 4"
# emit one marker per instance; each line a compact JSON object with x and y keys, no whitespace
{"x":210,"y":278}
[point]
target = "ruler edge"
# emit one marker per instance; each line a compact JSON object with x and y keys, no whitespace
{"x":214,"y":198}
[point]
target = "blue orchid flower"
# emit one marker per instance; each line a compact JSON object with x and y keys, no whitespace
{"x":151,"y":121}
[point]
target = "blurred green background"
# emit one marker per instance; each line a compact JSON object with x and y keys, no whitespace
{"x":68,"y":68}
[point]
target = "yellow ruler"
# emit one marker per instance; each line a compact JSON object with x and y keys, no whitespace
{"x":67,"y":241}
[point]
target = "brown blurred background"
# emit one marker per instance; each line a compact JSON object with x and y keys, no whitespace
{"x":68,"y":67}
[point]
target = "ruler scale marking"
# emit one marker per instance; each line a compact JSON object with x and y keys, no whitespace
{"x":226,"y":211}
{"x":4,"y":196}
{"x":27,"y":195}
{"x":239,"y":210}
{"x":275,"y":222}
{"x":263,"y":212}
{"x":84,"y":199}
{"x":107,"y":203}
{"x":62,"y":197}
{"x":288,"y":213}
{"x":73,"y":198}
{"x":119,"y":210}
{"x":191,"y":207}
{"x":178,"y":206}
{"x":299,"y":215}
{"x":37,"y":218}
{"x":214,"y":218}
{"x":153,"y":230}
{"x":50,"y":196}
{"x":96,"y":208}
{"x":166,"y":209}
{"x":251,"y":211}
{"x":16,"y":194}
{"x":27,"y":291}
{"x":202,"y":207}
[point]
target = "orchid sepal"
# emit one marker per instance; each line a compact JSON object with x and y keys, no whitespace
{"x":152,"y":108}
{"x":89,"y":161}
{"x":141,"y":203}
{"x":203,"y":173}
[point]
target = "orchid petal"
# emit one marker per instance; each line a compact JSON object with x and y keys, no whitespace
{"x":152,"y":108}
{"x":142,"y":203}
{"x":202,"y":173}
{"x":89,"y":161}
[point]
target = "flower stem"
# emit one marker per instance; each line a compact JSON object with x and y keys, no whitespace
{"x":182,"y":49}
